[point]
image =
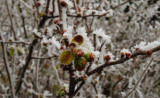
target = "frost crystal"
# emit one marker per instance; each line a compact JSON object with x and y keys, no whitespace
{"x":147,"y":46}
{"x":100,"y":32}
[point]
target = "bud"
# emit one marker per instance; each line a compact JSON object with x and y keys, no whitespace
{"x":63,"y":32}
{"x":84,"y":77}
{"x":38,"y":3}
{"x":56,"y":21}
{"x":61,"y":48}
{"x":50,"y":12}
{"x":44,"y":43}
{"x":46,"y":31}
{"x":80,"y":63}
{"x":72,"y":45}
{"x":64,"y":4}
{"x":107,"y":57}
{"x":128,"y":55}
{"x":89,"y":57}
{"x":78,"y":52}
{"x":149,"y":53}
{"x":122,"y":54}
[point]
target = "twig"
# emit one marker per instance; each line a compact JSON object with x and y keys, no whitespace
{"x":7,"y":67}
{"x":15,"y":42}
{"x":49,"y":57}
{"x":10,"y":17}
{"x":139,"y":79}
{"x":42,"y":22}
{"x":82,"y":83}
{"x":60,"y":14}
{"x":29,"y":57}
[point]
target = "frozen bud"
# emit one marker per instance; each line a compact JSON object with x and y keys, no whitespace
{"x":63,"y":32}
{"x":56,"y":21}
{"x":79,"y":14}
{"x":10,"y":39}
{"x":84,"y":77}
{"x":44,"y":43}
{"x":107,"y":57}
{"x":50,"y":42}
{"x":61,"y":48}
{"x":128,"y":55}
{"x":45,"y":31}
{"x":50,"y":12}
{"x":149,"y":53}
{"x":72,"y":45}
{"x":38,"y":3}
{"x":122,"y":54}
{"x":78,"y":52}
{"x":64,"y":4}
{"x":89,"y":57}
{"x":79,"y":9}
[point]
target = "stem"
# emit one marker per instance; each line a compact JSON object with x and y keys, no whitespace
{"x":139,"y":79}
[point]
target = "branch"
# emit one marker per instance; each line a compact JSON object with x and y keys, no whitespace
{"x":122,"y":60}
{"x":29,"y":57}
{"x":49,"y":57}
{"x":15,"y":42}
{"x":42,"y":22}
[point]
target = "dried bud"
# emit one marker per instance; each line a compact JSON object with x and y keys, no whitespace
{"x":47,"y":66}
{"x":149,"y":53}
